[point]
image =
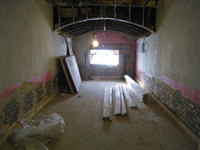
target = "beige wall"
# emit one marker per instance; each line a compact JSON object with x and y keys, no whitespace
{"x":81,"y":45}
{"x":174,"y":51}
{"x":27,"y":45}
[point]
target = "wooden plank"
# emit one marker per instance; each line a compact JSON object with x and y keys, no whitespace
{"x":136,"y":85}
{"x":117,"y":101}
{"x":69,"y":44}
{"x":128,"y":98}
{"x":67,"y":74}
{"x":74,"y":71}
{"x":123,"y":105}
{"x":106,"y":105}
{"x":140,"y":92}
{"x":110,"y":104}
{"x":133,"y":95}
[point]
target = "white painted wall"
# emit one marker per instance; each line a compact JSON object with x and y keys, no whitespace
{"x":27,"y":45}
{"x":174,"y":51}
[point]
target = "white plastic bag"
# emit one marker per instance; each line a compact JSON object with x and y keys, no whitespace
{"x":37,"y":145}
{"x":48,"y":127}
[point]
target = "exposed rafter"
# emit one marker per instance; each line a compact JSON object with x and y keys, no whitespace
{"x":95,"y":24}
{"x":132,"y":17}
{"x":147,"y":2}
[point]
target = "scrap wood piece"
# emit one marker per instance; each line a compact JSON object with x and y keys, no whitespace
{"x":117,"y":101}
{"x":123,"y":105}
{"x":140,"y":92}
{"x":128,"y":98}
{"x":107,"y":112}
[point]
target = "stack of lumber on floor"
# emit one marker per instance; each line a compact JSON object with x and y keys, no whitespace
{"x":107,"y":106}
{"x":141,"y":93}
{"x":122,"y":94}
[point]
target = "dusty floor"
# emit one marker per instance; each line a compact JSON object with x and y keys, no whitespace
{"x":147,"y":127}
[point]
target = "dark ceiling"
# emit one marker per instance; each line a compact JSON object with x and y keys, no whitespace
{"x":132,"y":17}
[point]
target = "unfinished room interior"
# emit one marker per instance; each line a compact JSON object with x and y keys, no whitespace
{"x":99,"y":75}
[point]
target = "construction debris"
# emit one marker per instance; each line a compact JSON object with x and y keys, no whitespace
{"x":37,"y":133}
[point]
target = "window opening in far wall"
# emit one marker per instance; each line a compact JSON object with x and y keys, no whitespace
{"x":104,"y":57}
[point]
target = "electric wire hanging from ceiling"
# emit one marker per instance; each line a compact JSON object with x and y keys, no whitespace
{"x":142,"y":46}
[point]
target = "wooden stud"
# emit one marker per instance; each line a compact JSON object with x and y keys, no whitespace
{"x":117,"y":101}
{"x":106,"y":105}
{"x":110,"y":104}
{"x":123,"y":105}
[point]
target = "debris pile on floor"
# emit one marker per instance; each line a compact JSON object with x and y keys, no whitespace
{"x":34,"y":134}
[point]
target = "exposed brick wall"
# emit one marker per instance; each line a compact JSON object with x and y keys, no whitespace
{"x":39,"y":93}
{"x":28,"y":101}
{"x":54,"y":83}
{"x":48,"y":87}
{"x":22,"y":102}
{"x":11,"y":112}
{"x":185,"y":109}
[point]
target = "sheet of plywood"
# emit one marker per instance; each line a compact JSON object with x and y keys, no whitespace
{"x":74,"y":71}
{"x":128,"y":98}
{"x":117,"y":101}
{"x":67,"y":74}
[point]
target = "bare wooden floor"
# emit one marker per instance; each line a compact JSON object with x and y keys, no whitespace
{"x":147,"y":127}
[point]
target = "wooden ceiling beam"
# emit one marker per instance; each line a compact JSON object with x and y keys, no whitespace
{"x":147,"y":2}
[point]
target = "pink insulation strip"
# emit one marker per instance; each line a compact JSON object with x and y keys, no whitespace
{"x":43,"y":78}
{"x":188,"y":92}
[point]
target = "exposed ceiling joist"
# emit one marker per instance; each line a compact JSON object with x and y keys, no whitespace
{"x":132,"y":17}
{"x":96,"y":24}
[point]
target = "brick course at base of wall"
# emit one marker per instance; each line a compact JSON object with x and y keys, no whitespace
{"x":185,"y":109}
{"x":22,"y":103}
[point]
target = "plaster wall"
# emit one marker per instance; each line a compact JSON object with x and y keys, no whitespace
{"x":173,"y":53}
{"x":28,"y":48}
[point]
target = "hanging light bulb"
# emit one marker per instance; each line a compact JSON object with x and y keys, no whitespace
{"x":95,"y":43}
